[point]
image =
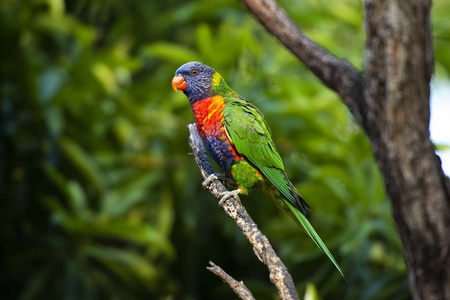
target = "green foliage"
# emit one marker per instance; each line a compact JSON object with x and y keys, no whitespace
{"x":99,"y":197}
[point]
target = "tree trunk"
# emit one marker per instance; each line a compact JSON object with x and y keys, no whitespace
{"x":391,"y":102}
{"x":397,"y":72}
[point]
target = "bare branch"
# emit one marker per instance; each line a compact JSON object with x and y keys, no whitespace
{"x":279,"y":274}
{"x":338,"y":75}
{"x":238,"y":287}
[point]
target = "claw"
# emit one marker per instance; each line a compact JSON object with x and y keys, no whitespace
{"x":213,"y":176}
{"x":226,"y":195}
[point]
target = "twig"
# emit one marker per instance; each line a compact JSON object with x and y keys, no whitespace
{"x":279,"y":274}
{"x":238,"y":287}
{"x":338,"y":75}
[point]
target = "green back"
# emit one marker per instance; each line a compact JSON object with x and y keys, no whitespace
{"x":250,"y":135}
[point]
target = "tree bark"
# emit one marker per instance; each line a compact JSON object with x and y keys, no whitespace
{"x":397,"y":72}
{"x":238,"y":287}
{"x":390,"y":100}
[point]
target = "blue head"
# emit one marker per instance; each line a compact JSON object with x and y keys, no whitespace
{"x":195,"y":80}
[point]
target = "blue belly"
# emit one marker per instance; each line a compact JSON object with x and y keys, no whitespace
{"x":218,"y":148}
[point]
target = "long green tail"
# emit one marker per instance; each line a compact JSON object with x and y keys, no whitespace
{"x":313,"y":234}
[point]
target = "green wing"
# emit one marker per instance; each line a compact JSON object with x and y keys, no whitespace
{"x":250,"y":135}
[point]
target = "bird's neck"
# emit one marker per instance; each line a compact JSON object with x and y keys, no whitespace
{"x":217,"y":86}
{"x":195,"y":97}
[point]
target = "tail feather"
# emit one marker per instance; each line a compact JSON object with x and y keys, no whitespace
{"x":303,"y":221}
{"x":297,"y":210}
{"x":301,"y":204}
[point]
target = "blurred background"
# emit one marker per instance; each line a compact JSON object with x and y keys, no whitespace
{"x":100,"y":198}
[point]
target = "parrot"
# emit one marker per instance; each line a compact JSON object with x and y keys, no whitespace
{"x":239,"y":140}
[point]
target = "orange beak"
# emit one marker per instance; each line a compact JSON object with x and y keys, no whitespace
{"x":178,"y":83}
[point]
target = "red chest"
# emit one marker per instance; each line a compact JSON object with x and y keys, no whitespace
{"x":208,"y":116}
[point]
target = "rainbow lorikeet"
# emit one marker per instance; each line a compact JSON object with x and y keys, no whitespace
{"x":239,"y":140}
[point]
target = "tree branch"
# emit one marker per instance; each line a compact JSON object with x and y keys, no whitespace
{"x":338,"y":75}
{"x":279,"y":274}
{"x":238,"y":287}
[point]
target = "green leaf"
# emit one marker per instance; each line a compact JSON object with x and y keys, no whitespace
{"x":174,"y":53}
{"x":81,"y":160}
{"x":136,"y":233}
{"x":311,"y":292}
{"x":123,"y":262}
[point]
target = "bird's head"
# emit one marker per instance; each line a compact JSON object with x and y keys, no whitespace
{"x":197,"y":81}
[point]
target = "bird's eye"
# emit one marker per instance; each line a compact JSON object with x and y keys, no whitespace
{"x":194,"y":72}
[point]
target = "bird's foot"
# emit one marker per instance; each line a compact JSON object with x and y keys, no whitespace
{"x":227,"y":195}
{"x":213,"y":176}
{"x":218,"y":176}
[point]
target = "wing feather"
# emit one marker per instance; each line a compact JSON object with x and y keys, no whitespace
{"x":250,"y":135}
